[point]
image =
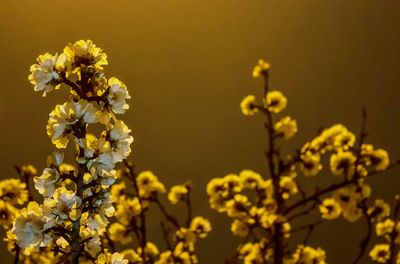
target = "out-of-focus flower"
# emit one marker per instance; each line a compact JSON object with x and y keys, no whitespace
{"x":380,"y":253}
{"x":260,"y":68}
{"x":248,"y":105}
{"x":286,"y":127}
{"x":177,"y":193}
{"x":275,"y":101}
{"x":13,"y":191}
{"x":330,"y":209}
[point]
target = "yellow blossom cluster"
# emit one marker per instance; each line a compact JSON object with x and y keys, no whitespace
{"x":133,"y":195}
{"x":387,"y":227}
{"x":95,"y":212}
{"x":263,"y":209}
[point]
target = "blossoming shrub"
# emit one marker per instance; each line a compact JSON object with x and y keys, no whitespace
{"x":70,"y":222}
{"x":94,"y":209}
{"x":265,"y":219}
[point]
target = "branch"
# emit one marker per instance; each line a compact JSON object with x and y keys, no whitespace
{"x":17,"y":250}
{"x":364,"y":243}
{"x":167,"y":216}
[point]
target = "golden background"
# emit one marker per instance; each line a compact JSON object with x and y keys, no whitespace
{"x":188,"y":64}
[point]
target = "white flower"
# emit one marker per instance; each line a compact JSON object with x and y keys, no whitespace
{"x":64,"y":117}
{"x":101,"y":209}
{"x":120,"y":141}
{"x":63,"y":205}
{"x":103,"y":162}
{"x":56,"y":159}
{"x":46,"y":183}
{"x":108,"y":178}
{"x":29,"y":227}
{"x":44,"y":75}
{"x":93,"y":246}
{"x":117,"y":95}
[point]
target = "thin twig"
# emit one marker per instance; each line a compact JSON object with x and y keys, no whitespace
{"x":364,"y":243}
{"x":17,"y":250}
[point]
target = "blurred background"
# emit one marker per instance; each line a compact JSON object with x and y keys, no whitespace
{"x":187,"y":65}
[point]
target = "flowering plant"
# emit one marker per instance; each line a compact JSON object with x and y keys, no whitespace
{"x":94,"y":208}
{"x":71,"y":224}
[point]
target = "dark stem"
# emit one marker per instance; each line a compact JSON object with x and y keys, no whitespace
{"x":142,"y":226}
{"x":394,"y":234}
{"x":364,"y":243}
{"x":167,"y":216}
{"x":189,"y":208}
{"x":332,"y":188}
{"x":278,"y":236}
{"x":165,"y":235}
{"x":76,"y":225}
{"x":17,"y":250}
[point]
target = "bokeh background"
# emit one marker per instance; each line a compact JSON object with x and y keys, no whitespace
{"x":188,"y":64}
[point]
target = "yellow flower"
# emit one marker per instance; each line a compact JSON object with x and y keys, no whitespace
{"x":288,"y":186}
{"x":186,"y":236}
{"x":200,"y":226}
{"x":132,"y":256}
{"x":286,"y":127}
{"x":384,"y":228}
{"x":380,"y":210}
{"x":177,"y":193}
{"x":348,"y":198}
{"x":117,"y":191}
{"x":232,"y":183}
{"x":149,"y":184}
{"x":344,"y":140}
{"x":378,"y":158}
{"x":343,"y":163}
{"x":84,"y":54}
{"x":251,"y":253}
{"x":108,"y":258}
{"x":309,"y":255}
{"x":330,"y":209}
{"x":248,"y":105}
{"x":13,"y":191}
{"x":119,"y":233}
{"x":127,"y":209}
{"x":380,"y":253}
{"x":310,"y":164}
{"x":267,"y":220}
{"x":28,"y":170}
{"x":261,"y":68}
{"x":7,"y":214}
{"x":239,"y":228}
{"x":250,"y":179}
{"x":151,"y":249}
{"x":237,"y":206}
{"x":275,"y":101}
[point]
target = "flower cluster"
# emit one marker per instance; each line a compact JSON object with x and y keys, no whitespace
{"x":265,"y":209}
{"x":77,"y":201}
{"x":90,"y":210}
{"x":134,"y":194}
